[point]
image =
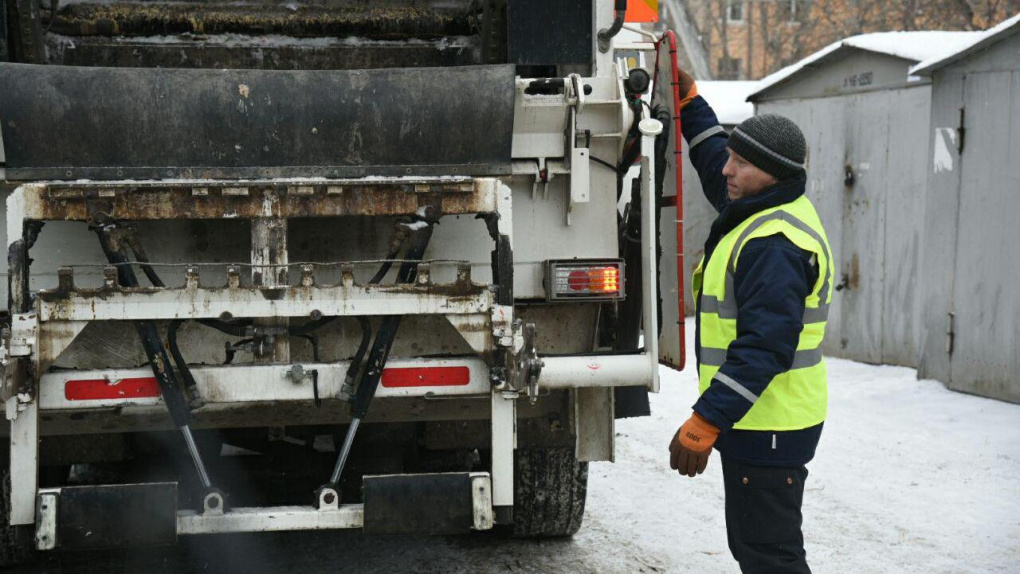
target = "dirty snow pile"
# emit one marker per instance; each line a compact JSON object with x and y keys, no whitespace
{"x":909,"y":477}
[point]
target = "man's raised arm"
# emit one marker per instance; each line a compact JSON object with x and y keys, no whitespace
{"x":706,"y":140}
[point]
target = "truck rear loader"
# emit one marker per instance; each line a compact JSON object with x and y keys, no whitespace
{"x":393,"y":265}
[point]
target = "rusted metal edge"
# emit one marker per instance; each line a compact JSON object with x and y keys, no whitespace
{"x":226,"y":303}
{"x":462,"y":287}
{"x":247,"y":199}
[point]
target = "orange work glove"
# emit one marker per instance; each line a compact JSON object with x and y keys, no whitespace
{"x":688,"y":89}
{"x":691,"y":446}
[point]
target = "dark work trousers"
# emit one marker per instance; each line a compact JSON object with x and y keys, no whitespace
{"x":763,"y":517}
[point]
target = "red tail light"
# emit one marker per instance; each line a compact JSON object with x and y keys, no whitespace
{"x":597,"y":280}
{"x":98,"y":389}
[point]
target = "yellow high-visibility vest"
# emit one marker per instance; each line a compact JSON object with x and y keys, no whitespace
{"x":797,"y":398}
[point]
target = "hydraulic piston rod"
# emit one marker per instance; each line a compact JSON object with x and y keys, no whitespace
{"x":155,"y":352}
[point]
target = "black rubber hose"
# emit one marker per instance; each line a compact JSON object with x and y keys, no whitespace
{"x":396,"y":242}
{"x":307,"y":328}
{"x":369,"y":380}
{"x":156,"y":354}
{"x":237,"y":328}
{"x":606,"y":34}
{"x":359,"y":355}
{"x":131,"y":238}
{"x":182,"y":365}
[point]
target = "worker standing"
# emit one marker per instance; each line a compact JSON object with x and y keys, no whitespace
{"x":762,"y":293}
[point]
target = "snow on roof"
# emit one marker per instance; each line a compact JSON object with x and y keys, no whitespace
{"x":915,"y":46}
{"x":728,"y":100}
{"x":978,"y":41}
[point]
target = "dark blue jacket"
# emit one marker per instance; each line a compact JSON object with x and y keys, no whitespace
{"x":773,"y":279}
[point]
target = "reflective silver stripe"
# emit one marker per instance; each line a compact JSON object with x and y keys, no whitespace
{"x":784,"y":216}
{"x":766,"y":150}
{"x":714,"y":357}
{"x":725,"y":308}
{"x":806,"y":358}
{"x":817,"y":315}
{"x":705,"y":135}
{"x":740,"y":389}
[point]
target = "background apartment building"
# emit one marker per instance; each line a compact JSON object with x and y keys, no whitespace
{"x":749,"y":39}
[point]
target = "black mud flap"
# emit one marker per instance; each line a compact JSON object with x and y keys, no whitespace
{"x":447,"y":503}
{"x":67,"y":123}
{"x":108,"y":516}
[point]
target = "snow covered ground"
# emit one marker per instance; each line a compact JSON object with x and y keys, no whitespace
{"x":909,"y":478}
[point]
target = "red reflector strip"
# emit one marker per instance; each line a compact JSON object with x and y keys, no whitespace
{"x":97,"y":389}
{"x":426,"y":377}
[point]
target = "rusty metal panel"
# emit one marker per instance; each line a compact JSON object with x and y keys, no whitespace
{"x":862,"y":256}
{"x":135,"y":123}
{"x":986,"y":304}
{"x":208,"y":199}
{"x":824,"y":123}
{"x":940,"y":229}
{"x":905,"y":196}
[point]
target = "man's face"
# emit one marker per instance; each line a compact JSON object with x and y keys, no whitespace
{"x":743,"y":179}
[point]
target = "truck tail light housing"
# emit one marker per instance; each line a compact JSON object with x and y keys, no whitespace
{"x":584,"y":280}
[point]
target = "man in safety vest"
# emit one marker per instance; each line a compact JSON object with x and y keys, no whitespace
{"x":762,"y":293}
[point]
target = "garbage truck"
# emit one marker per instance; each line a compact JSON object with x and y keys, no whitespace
{"x":391,"y":265}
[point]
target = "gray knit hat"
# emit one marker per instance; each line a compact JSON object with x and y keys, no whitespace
{"x":771,"y":142}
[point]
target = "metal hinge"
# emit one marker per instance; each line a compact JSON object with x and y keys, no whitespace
{"x":950,"y":334}
{"x":962,"y":131}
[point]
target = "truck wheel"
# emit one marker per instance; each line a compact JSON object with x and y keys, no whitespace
{"x":17,"y":543}
{"x":550,"y":486}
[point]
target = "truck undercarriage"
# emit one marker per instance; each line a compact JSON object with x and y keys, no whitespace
{"x":304,"y":294}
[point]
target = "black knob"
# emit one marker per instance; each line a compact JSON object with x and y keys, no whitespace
{"x":637,"y":81}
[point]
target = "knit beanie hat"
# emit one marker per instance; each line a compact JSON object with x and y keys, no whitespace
{"x":772,"y":143}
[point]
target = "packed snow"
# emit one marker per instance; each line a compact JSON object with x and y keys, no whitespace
{"x":978,"y":40}
{"x":915,"y":46}
{"x":909,"y":478}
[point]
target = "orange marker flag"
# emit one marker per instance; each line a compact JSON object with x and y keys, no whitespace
{"x":642,"y":11}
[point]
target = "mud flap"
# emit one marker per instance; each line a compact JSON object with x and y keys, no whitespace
{"x":443,"y":503}
{"x":67,"y":123}
{"x":107,"y":516}
{"x":666,"y":96}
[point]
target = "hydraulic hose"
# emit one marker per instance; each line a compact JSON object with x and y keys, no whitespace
{"x":372,"y":372}
{"x":400,"y":234}
{"x":182,"y":365}
{"x":110,"y":240}
{"x":359,"y":355}
{"x":607,"y":34}
{"x":130,"y":238}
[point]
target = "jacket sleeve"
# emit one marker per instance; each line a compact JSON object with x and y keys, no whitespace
{"x":772,"y":281}
{"x":706,"y":140}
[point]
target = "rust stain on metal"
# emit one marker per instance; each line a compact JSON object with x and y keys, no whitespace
{"x":381,"y":23}
{"x":76,"y":202}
